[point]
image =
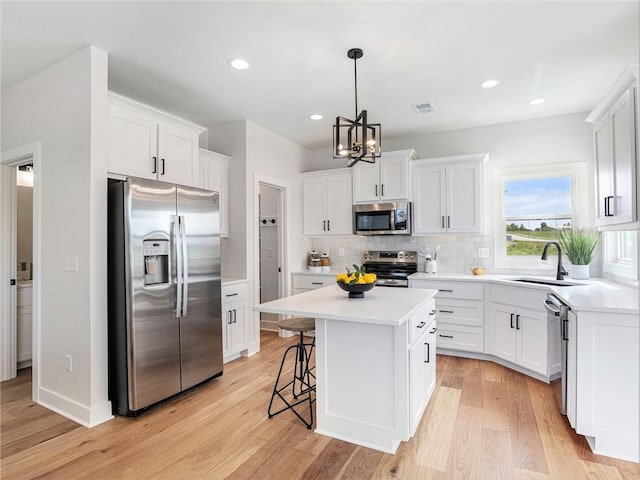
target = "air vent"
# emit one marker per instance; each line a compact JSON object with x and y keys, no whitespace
{"x":423,"y":108}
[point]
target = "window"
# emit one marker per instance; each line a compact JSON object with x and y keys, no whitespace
{"x":620,"y":251}
{"x":532,"y":204}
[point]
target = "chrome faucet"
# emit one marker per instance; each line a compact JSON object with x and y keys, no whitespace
{"x":561,"y":272}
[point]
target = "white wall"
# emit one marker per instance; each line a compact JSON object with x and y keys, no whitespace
{"x":64,"y":107}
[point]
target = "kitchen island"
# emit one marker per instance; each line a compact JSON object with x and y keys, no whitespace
{"x":375,"y":361}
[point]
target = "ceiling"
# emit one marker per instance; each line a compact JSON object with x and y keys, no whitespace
{"x":173,"y":55}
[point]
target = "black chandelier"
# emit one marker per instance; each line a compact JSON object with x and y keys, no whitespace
{"x":356,"y":140}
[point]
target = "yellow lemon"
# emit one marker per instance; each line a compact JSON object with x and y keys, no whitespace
{"x":350,"y":278}
{"x":369,"y":278}
{"x":361,"y":279}
{"x":341,"y":277}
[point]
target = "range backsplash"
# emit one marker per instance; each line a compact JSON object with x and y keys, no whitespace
{"x":458,"y":253}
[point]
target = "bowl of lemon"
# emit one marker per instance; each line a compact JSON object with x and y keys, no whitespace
{"x":356,"y":282}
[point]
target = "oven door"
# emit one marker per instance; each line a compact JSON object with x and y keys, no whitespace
{"x":391,"y":274}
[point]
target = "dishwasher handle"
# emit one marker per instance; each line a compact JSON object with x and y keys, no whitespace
{"x":550,"y":306}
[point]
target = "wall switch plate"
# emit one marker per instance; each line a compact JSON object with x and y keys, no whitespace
{"x":483,"y":252}
{"x":70,"y":263}
{"x":341,"y":252}
{"x":69,"y":363}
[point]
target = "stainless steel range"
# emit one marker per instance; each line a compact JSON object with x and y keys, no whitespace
{"x":391,"y":268}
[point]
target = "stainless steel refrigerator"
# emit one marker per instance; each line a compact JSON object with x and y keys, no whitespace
{"x":165,"y":325}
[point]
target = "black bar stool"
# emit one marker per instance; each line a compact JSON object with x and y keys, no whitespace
{"x":303,"y":384}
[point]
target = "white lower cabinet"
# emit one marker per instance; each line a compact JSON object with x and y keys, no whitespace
{"x":572,"y":368}
{"x":237,"y":332}
{"x":422,"y":362}
{"x":521,"y":332}
{"x":607,"y":384}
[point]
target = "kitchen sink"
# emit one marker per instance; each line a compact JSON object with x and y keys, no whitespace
{"x":544,"y":281}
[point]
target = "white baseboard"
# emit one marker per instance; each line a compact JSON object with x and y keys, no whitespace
{"x":85,"y":416}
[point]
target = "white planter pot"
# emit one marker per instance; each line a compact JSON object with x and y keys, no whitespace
{"x":580,"y":272}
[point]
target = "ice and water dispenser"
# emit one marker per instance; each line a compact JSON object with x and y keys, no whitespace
{"x":156,"y":261}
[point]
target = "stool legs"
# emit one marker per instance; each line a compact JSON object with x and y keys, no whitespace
{"x":301,"y":384}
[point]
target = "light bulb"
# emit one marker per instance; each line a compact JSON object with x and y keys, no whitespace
{"x":371,"y":141}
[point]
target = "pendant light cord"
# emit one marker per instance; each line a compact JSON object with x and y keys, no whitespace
{"x":355,"y":77}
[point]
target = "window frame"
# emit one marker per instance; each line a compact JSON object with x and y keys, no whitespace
{"x":611,"y":261}
{"x":580,"y":206}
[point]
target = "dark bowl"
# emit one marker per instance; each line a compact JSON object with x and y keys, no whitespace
{"x":357,"y":289}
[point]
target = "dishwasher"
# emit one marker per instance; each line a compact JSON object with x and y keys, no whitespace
{"x":557,"y":310}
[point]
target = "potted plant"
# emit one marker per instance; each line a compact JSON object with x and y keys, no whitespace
{"x":578,"y":244}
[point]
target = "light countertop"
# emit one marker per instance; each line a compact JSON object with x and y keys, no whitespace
{"x":594,"y":295}
{"x":226,"y":281}
{"x":380,"y":306}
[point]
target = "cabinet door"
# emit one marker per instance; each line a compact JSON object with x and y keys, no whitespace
{"x":417,"y":381}
{"x":394,"y":179}
{"x":504,"y":334}
{"x":314,"y":194}
{"x":178,"y":156}
{"x":428,"y":199}
{"x":133,"y":143}
{"x":532,"y":349}
{"x":339,"y":202}
{"x":24,"y":326}
{"x":235,"y":316}
{"x":430,"y":362}
{"x":604,"y":168}
{"x":572,"y":358}
{"x":366,"y":182}
{"x":464,"y":198}
{"x":624,"y":158}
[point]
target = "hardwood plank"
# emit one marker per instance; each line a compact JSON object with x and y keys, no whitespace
{"x":496,"y":406}
{"x":472,"y":388}
{"x":362,"y":464}
{"x":329,"y":463}
{"x":528,"y":452}
{"x":452,"y":374}
{"x":495,"y":455}
{"x":436,"y":429}
{"x":466,"y":443}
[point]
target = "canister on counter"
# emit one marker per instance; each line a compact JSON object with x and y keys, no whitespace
{"x":325,"y":262}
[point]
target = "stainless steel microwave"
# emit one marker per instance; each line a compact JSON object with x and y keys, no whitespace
{"x":382,"y":218}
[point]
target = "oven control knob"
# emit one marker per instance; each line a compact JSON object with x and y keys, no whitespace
{"x":365,"y":256}
{"x":400,"y":256}
{"x":412,"y":257}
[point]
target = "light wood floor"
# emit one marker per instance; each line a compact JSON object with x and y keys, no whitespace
{"x":484,"y":421}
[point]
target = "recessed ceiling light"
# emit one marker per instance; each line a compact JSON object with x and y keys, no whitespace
{"x":489,"y":83}
{"x":537,"y":101}
{"x":238,"y":64}
{"x":316,"y":116}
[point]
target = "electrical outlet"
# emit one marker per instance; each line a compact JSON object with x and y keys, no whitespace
{"x":69,"y":366}
{"x":341,"y":252}
{"x":483,"y":253}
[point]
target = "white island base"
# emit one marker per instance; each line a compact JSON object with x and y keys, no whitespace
{"x":375,"y":361}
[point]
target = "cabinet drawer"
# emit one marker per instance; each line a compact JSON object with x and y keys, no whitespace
{"x":522,"y":297}
{"x":232,"y":293}
{"x":459,"y":290}
{"x":421,"y":320}
{"x":461,"y":312}
{"x":311,"y":282}
{"x":459,"y":337}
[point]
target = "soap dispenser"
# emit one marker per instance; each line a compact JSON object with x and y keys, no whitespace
{"x":430,"y":265}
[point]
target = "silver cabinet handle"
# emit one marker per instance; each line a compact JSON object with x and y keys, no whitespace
{"x":382,"y":189}
{"x":235,"y":315}
{"x":376,"y":190}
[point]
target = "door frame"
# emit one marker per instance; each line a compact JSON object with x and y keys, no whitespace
{"x":10,"y":160}
{"x":284,"y":188}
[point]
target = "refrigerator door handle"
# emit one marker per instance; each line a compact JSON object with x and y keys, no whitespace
{"x":185,"y":267}
{"x":176,"y":236}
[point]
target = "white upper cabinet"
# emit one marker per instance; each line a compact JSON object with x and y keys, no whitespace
{"x":214,"y":175}
{"x":615,"y":121}
{"x":148,"y":143}
{"x":327,"y":202}
{"x":386,"y":180}
{"x":447,"y":194}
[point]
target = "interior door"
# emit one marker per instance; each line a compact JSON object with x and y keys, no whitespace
{"x":201,"y":320}
{"x":154,"y":346}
